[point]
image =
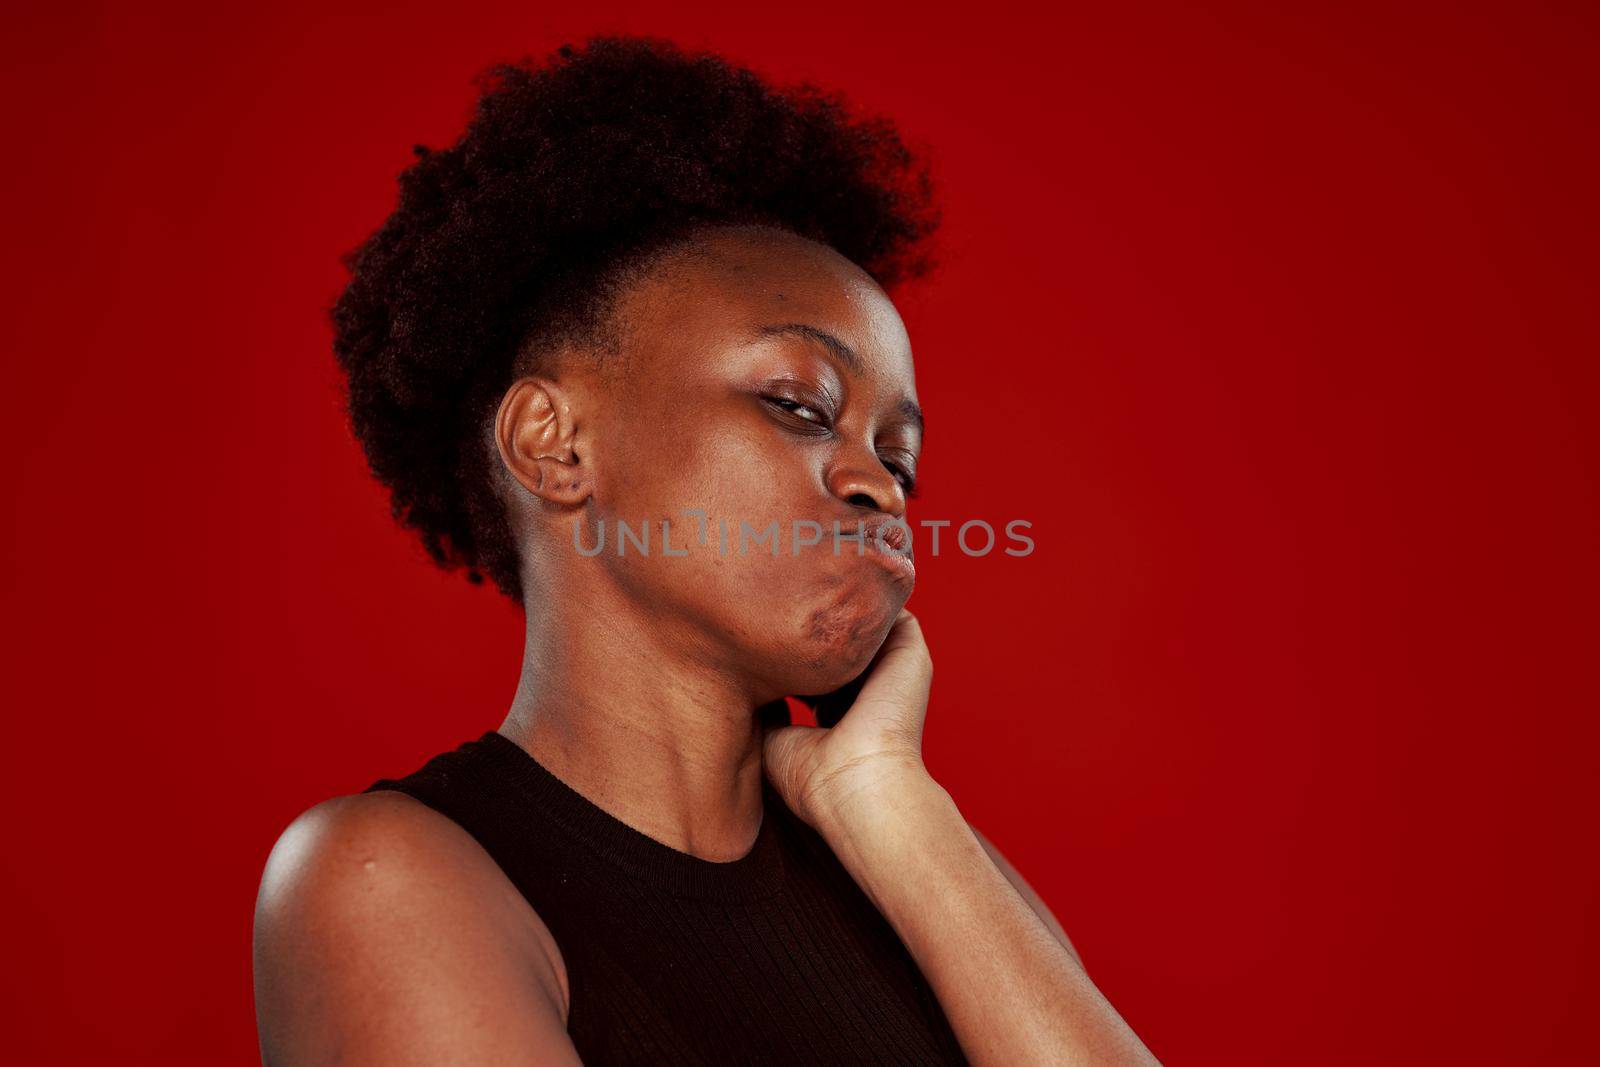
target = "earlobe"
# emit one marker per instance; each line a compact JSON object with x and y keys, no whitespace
{"x":536,"y":432}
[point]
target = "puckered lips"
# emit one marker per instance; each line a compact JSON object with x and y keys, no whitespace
{"x":886,"y":543}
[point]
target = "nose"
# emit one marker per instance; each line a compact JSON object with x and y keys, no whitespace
{"x":863,"y":480}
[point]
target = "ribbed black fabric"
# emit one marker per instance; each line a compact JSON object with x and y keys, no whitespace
{"x":775,"y":958}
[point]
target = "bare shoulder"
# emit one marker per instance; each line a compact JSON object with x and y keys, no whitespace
{"x":384,"y":933}
{"x":1027,"y":893}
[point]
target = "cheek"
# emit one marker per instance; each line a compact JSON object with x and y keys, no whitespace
{"x":812,"y":621}
{"x":809,"y":623}
{"x":816,"y":620}
{"x":737,"y":474}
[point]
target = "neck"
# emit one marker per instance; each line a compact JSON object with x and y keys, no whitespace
{"x":665,"y":741}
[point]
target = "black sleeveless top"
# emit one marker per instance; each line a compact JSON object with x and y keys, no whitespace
{"x":774,"y":958}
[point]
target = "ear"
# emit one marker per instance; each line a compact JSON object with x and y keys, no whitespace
{"x":535,"y":429}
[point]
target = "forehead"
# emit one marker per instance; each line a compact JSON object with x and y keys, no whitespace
{"x":751,"y":284}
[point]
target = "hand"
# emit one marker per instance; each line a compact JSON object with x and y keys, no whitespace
{"x":817,"y":769}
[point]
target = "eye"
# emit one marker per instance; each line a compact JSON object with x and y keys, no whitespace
{"x":907,"y":480}
{"x":799,"y":410}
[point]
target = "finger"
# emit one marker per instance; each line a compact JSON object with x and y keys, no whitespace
{"x":899,"y":682}
{"x":904,"y":649}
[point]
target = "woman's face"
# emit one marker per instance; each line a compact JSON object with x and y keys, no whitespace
{"x":764,"y":379}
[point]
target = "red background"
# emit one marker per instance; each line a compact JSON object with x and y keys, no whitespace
{"x":1280,"y":328}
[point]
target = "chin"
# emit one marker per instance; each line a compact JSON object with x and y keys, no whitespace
{"x":832,"y":638}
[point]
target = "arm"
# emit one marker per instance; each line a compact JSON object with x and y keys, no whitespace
{"x":384,"y":934}
{"x":1026,"y":891}
{"x":1013,"y":991}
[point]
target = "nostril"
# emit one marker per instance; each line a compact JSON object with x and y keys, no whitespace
{"x":863,"y":500}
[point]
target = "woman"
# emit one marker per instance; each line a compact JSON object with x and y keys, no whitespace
{"x":643,"y":297}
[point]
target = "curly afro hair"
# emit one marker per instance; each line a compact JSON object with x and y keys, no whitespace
{"x":572,"y":172}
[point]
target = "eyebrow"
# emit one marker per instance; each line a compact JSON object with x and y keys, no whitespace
{"x":908,"y":408}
